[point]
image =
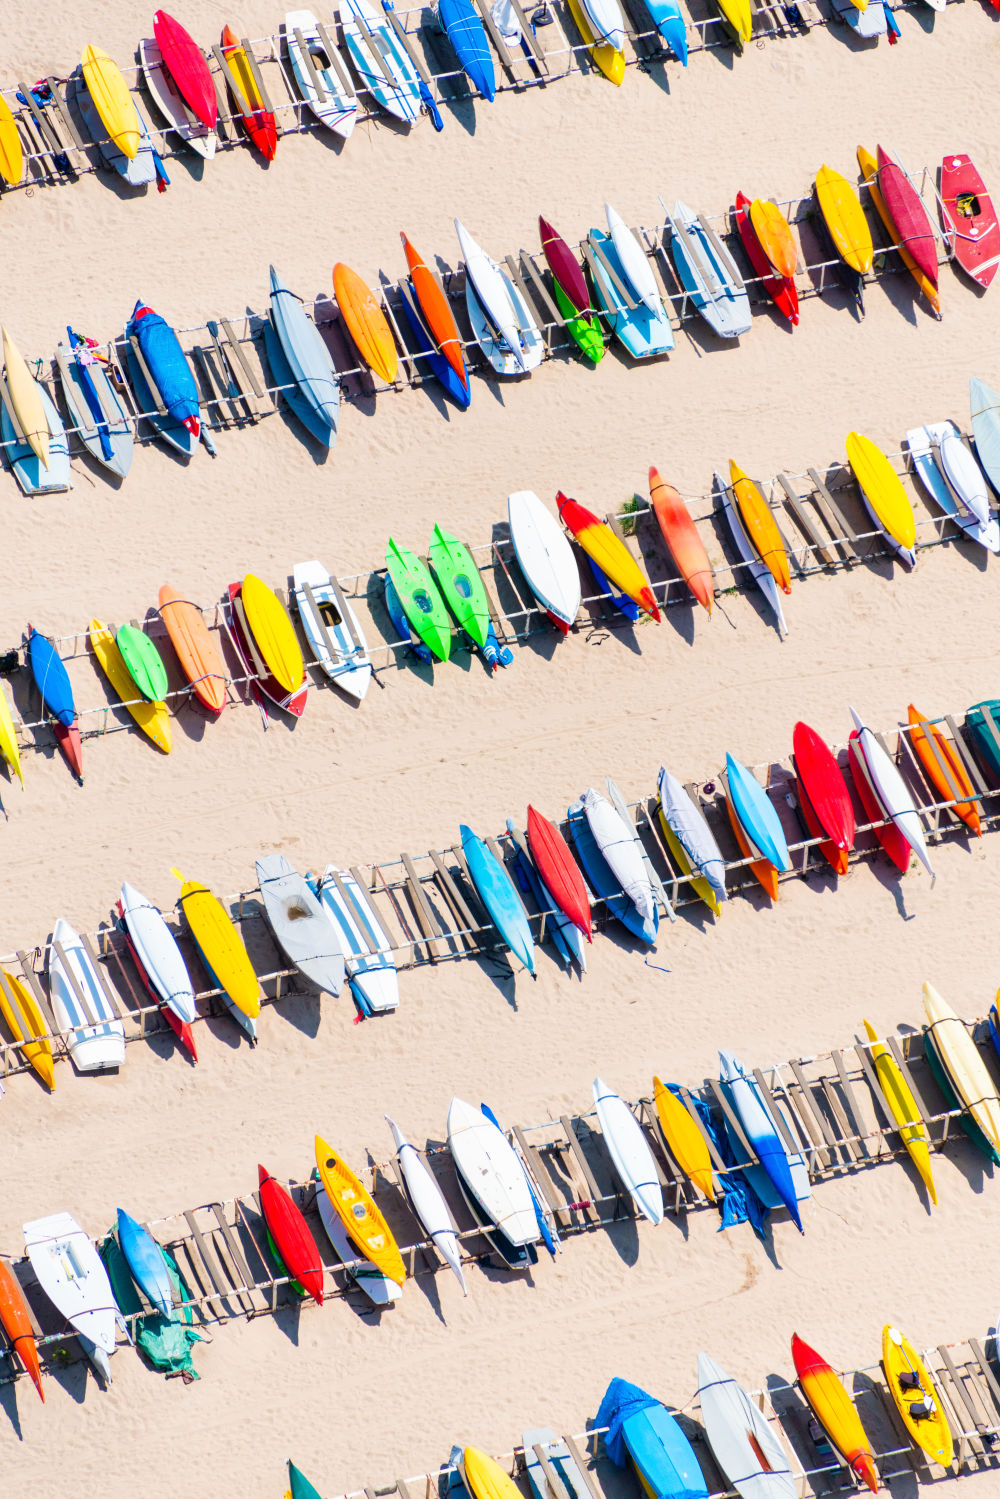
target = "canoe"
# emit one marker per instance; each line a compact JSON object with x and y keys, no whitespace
{"x":629,"y":1151}
{"x":436,"y":312}
{"x":565,"y":936}
{"x":95,"y":408}
{"x":739,"y":20}
{"x":15,"y":1319}
{"x":618,"y":848}
{"x":272,"y":657}
{"x":308,"y":361}
{"x":52,"y":680}
{"x":757,"y":815}
{"x":545,"y":557}
{"x":358,"y":1212}
{"x":962,"y":490}
{"x":686,"y":1141}
{"x":379,"y":1289}
{"x":365,"y":322}
{"x":943,"y":768}
{"x":368,"y":959}
{"x":744,"y":1443}
{"x":669,"y":22}
{"x":891,"y":791}
{"x":421,"y":602}
{"x":258,"y":122}
{"x":11,"y":152}
{"x":492,"y":298}
{"x":760,"y":526}
{"x":195,"y":649}
{"x":187,"y":65}
{"x":885,"y":498}
{"x":603,"y":882}
{"x":708,"y":273}
{"x":609,"y":60}
{"x":557,"y":1456}
{"x":27,"y":1025}
{"x":895,"y":845}
{"x":681,"y":536}
{"x":970,"y":219}
{"x":428,"y":1202}
{"x":337,"y":107}
{"x":146,"y":1262}
{"x":847,"y":227}
{"x":781,"y":1178}
{"x":691,"y":841}
{"x":910,"y":219}
{"x":492,"y":1172}
{"x":143,"y":662}
{"x":759,"y":571}
{"x":964,"y":1065}
{"x":160,"y":963}
{"x":559,"y":870}
{"x":291,"y":1234}
{"x":903,"y":1107}
{"x":220,"y":945}
{"x":872,"y":180}
{"x":112,"y":100}
{"x":163,"y":90}
{"x":835,"y":1411}
{"x":499,"y":896}
{"x":70,"y":1272}
{"x":634,"y":262}
{"x":26,"y":399}
{"x":467,"y":34}
{"x":460,"y":583}
{"x":152,"y":718}
{"x":166,"y":363}
{"x":565,"y":267}
{"x":332,"y":629}
{"x":376,"y":52}
{"x":774,"y":236}
{"x":823,"y":792}
{"x":609,"y":552}
{"x":96,"y":1039}
{"x":9,"y":748}
{"x":916,"y":1397}
{"x":302,"y":928}
{"x":426,"y":350}
{"x":781,"y":289}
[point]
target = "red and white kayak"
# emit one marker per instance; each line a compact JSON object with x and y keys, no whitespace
{"x":559,"y":870}
{"x":890,"y":789}
{"x":970,"y":220}
{"x":185,"y":62}
{"x":160,"y":963}
{"x":890,"y":838}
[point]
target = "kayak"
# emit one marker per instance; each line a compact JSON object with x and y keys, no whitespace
{"x":774,"y":235}
{"x":484,"y":1477}
{"x":358,"y":1212}
{"x":186,"y":63}
{"x":944,"y":769}
{"x":220,"y":945}
{"x":635,"y":262}
{"x":760,"y":526}
{"x":467,"y":34}
{"x":160,"y":348}
{"x":758,"y":818}
{"x":762,"y":870}
{"x":611,"y":554}
{"x":644,"y":1430}
{"x":667,"y":18}
{"x":15,"y":1319}
{"x":708,"y":273}
{"x":27,"y":1025}
{"x":781,"y":289}
{"x":964,"y":1065}
{"x":691,"y":842}
{"x":490,"y":287}
{"x":436,"y":312}
{"x":835,"y":1411}
{"x":258,"y":122}
{"x":314,"y":393}
{"x":606,"y":22}
{"x":492,"y":1172}
{"x":608,"y":59}
{"x":274,"y":634}
{"x":381,"y":60}
{"x":910,"y":219}
{"x":845,"y":220}
{"x":94,"y":406}
{"x":686,"y":1141}
{"x":146,"y":1262}
{"x":52,"y":680}
{"x":644,"y":334}
{"x":291,"y":1234}
{"x":421,"y":601}
{"x":892,"y":841}
{"x":903,"y":1108}
{"x":620,"y":852}
{"x":428,"y":1202}
{"x":559,"y":871}
{"x":545,"y":557}
{"x":162,"y":88}
{"x":112,"y":100}
{"x":884,"y":496}
{"x":823,"y":794}
{"x":11,"y":151}
{"x":427,"y":350}
{"x":368,"y":957}
{"x":584,"y":331}
{"x":9,"y":748}
{"x":302,"y":926}
{"x":891,"y":791}
{"x":916,"y":1397}
{"x":461,"y":586}
{"x":870,"y":174}
{"x":195,"y":649}
{"x":780,"y":1171}
{"x":629,"y":1151}
{"x":602,"y":882}
{"x":499,"y":896}
{"x":681,"y":536}
{"x":332,"y":629}
{"x":365,"y":322}
{"x":970,"y":219}
{"x":565,"y":268}
{"x":759,"y":571}
{"x":962,"y":473}
{"x":954,"y":480}
{"x":738,"y":18}
{"x":26,"y":400}
{"x":326,"y":86}
{"x":565,"y":936}
{"x":160,"y":963}
{"x":743,"y":1442}
{"x":152,"y":717}
{"x":144,"y":662}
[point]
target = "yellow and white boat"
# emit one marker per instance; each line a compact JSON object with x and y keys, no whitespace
{"x":484,"y":1477}
{"x":11,"y":153}
{"x":760,"y":526}
{"x":883,"y":493}
{"x":112,"y":100}
{"x":27,"y":1026}
{"x":9,"y":747}
{"x":274,"y":633}
{"x":220,"y":944}
{"x":609,"y":59}
{"x":358,"y":1212}
{"x":845,"y":219}
{"x":965,"y":1067}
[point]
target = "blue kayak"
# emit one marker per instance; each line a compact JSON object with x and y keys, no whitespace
{"x":567,"y":939}
{"x":146,"y":1262}
{"x":438,"y":365}
{"x":755,"y":810}
{"x":498,"y":894}
{"x":781,"y":1179}
{"x":619,"y":601}
{"x":603,"y":882}
{"x":402,"y":624}
{"x":642,"y":1429}
{"x":284,"y":379}
{"x":643,"y":333}
{"x":51,"y":677}
{"x":669,"y":23}
{"x":467,"y":35}
{"x":165,"y":361}
{"x":308,"y":359}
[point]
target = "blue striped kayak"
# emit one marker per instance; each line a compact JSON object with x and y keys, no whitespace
{"x":467,"y":35}
{"x":401,"y":95}
{"x":498,"y":894}
{"x":146,"y":1262}
{"x":758,"y":819}
{"x":781,"y":1179}
{"x":603,"y":882}
{"x":308,"y":361}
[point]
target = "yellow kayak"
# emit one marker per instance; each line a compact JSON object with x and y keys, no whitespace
{"x":845,"y":218}
{"x":9,"y":748}
{"x":358,"y":1213}
{"x":610,"y":61}
{"x":699,"y":884}
{"x":11,"y":154}
{"x":274,"y":633}
{"x":686,"y":1141}
{"x":737,"y":14}
{"x":220,"y":945}
{"x":965,"y":1067}
{"x":884,"y":494}
{"x":152,"y":718}
{"x":903,"y":1107}
{"x":775,"y":236}
{"x":27,"y":1026}
{"x":483,"y":1475}
{"x":931,"y":1433}
{"x":26,"y":400}
{"x":112,"y":100}
{"x":761,"y":527}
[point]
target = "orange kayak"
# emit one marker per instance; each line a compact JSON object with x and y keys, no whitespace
{"x":681,"y":536}
{"x":834,"y":1410}
{"x":365,"y":322}
{"x":869,"y":171}
{"x":437,"y":314}
{"x":195,"y":648}
{"x":16,"y":1322}
{"x":761,"y":527}
{"x":762,"y":869}
{"x":774,"y":234}
{"x":944,"y":770}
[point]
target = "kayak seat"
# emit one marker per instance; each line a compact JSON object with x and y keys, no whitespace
{"x":908,"y":1380}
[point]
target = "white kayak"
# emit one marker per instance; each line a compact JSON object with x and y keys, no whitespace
{"x":492,"y":1173}
{"x":890,"y":789}
{"x":96,"y":1039}
{"x":302,"y":928}
{"x":166,"y":96}
{"x":926,"y":452}
{"x":617,"y":844}
{"x":629,"y":1150}
{"x":545,"y":556}
{"x":606,"y":22}
{"x":72,"y":1276}
{"x":380,"y":1290}
{"x":634,"y":261}
{"x":338,"y":108}
{"x":962,"y":472}
{"x":332,"y":629}
{"x":505,"y":360}
{"x":963,"y":1062}
{"x":692,"y":832}
{"x":428,"y":1202}
{"x":491,"y":287}
{"x":621,"y":807}
{"x":743,"y":1441}
{"x":759,"y":571}
{"x":157,"y":951}
{"x":370,"y":965}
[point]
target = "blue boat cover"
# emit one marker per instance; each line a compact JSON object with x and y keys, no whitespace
{"x":641,"y":1427}
{"x":166,"y":363}
{"x":740,"y":1203}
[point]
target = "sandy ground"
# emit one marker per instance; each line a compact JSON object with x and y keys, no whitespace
{"x":354,"y":1405}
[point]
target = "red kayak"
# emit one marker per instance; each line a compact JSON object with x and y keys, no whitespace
{"x":258,"y":122}
{"x":910,"y":218}
{"x":681,"y":536}
{"x":291,"y":1235}
{"x":558,"y":870}
{"x":564,"y":267}
{"x":180,"y":1028}
{"x":887,"y":833}
{"x":781,"y":289}
{"x":823,"y":796}
{"x":185,"y":62}
{"x":970,"y":220}
{"x":69,"y":741}
{"x":15,"y":1319}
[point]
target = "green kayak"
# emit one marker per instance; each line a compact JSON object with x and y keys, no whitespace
{"x":144,"y":662}
{"x":986,"y":744}
{"x":422,"y":604}
{"x":585,"y":331}
{"x":460,"y":584}
{"x":299,"y":1486}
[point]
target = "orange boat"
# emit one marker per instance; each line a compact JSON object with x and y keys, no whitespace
{"x":365,"y":322}
{"x":834,"y":1410}
{"x":195,"y":648}
{"x":944,"y":769}
{"x":16,"y":1322}
{"x":775,"y":236}
{"x":869,"y":171}
{"x":258,"y":122}
{"x":437,"y":314}
{"x":761,"y":527}
{"x":762,"y":869}
{"x":681,"y":536}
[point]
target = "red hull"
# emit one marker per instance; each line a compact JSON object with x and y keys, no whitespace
{"x":564,"y":266}
{"x":69,"y":741}
{"x":186,"y":64}
{"x":781,"y":289}
{"x":909,"y":216}
{"x":269,"y":686}
{"x":887,"y":833}
{"x":559,"y":871}
{"x":291,"y":1235}
{"x":180,"y":1027}
{"x":970,"y":220}
{"x":826,"y":794}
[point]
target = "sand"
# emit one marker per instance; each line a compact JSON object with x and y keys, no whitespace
{"x":355,"y":1403}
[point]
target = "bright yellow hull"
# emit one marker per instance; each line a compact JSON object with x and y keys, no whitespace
{"x":358,"y":1213}
{"x":845,"y":219}
{"x":11,"y":154}
{"x":9,"y":747}
{"x":761,"y":527}
{"x":931,"y":1434}
{"x":902,"y":1106}
{"x":153,"y":718}
{"x":27,"y":1027}
{"x":221,"y":945}
{"x":737,"y":13}
{"x":699,"y":885}
{"x":484,"y":1476}
{"x":684,"y":1139}
{"x":112,"y":100}
{"x":883,"y":490}
{"x":610,"y":61}
{"x":274,"y":633}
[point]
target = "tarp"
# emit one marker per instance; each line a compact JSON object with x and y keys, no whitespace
{"x":621,"y":1400}
{"x":166,"y":1341}
{"x":740,"y":1203}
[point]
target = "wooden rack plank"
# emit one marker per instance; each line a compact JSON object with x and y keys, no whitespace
{"x":804,"y":524}
{"x":862,"y":1053}
{"x":833,"y":1103}
{"x":258,"y":76}
{"x":831,"y":512}
{"x":311,"y":71}
{"x":102,"y":979}
{"x":38,"y":993}
{"x":805,"y":1088}
{"x":202,"y":1248}
{"x":860,"y":1128}
{"x":901,"y":1063}
{"x":499,"y":46}
{"x":528,"y":33}
{"x":580,"y":1158}
{"x":428,"y":922}
{"x":242,"y":102}
{"x":154,"y":389}
{"x":967,"y":759}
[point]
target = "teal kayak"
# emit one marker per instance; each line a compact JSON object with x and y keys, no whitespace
{"x":144,"y":662}
{"x":418,"y":594}
{"x":460,"y":584}
{"x":985,"y":743}
{"x":499,"y":895}
{"x":759,"y":820}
